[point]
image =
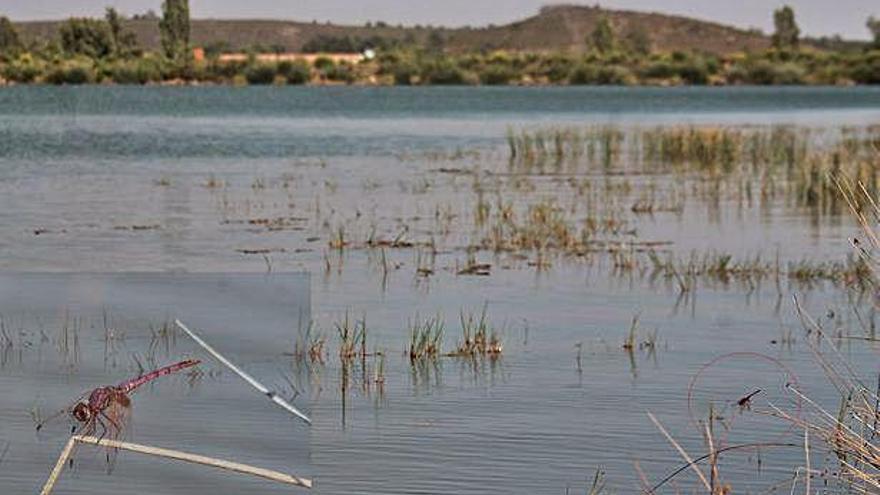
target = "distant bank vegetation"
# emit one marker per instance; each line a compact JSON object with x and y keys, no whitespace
{"x":102,"y":51}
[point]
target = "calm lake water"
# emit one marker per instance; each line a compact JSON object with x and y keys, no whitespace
{"x":119,"y":179}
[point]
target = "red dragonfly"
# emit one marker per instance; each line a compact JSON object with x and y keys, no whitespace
{"x":109,"y":407}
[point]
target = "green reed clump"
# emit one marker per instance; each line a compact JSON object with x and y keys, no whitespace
{"x":425,"y":338}
{"x":796,"y":161}
{"x":630,"y":342}
{"x":545,"y":226}
{"x":310,"y":344}
{"x":479,"y":338}
{"x":814,"y":183}
{"x":352,"y":338}
{"x":855,"y":271}
{"x":724,"y":267}
{"x":538,"y":147}
{"x":704,"y":148}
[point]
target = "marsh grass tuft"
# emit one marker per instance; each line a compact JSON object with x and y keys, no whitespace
{"x":425,"y":338}
{"x":352,"y":338}
{"x":479,"y":337}
{"x":310,"y":344}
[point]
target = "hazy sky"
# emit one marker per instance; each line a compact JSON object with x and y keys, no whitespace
{"x":816,"y":17}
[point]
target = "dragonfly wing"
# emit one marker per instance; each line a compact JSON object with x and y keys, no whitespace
{"x":116,"y":418}
{"x":57,"y":425}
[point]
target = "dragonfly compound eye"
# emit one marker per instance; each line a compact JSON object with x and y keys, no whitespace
{"x":81,"y":412}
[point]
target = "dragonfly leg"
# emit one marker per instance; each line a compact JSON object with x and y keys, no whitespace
{"x":103,"y":434}
{"x":117,"y":428}
{"x":103,"y":428}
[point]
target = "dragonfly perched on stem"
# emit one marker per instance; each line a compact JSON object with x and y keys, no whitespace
{"x":109,"y":407}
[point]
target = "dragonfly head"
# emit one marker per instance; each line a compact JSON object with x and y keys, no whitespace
{"x":81,"y":412}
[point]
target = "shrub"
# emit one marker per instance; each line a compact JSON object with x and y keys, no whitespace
{"x":24,"y":69}
{"x":403,"y":74}
{"x":469,"y":62}
{"x":400,"y":67}
{"x":71,"y":72}
{"x":260,"y":73}
{"x":341,"y":72}
{"x":615,"y":74}
{"x":766,"y":72}
{"x":760,"y":72}
{"x":191,"y":70}
{"x":689,"y":70}
{"x":866,"y":72}
{"x":226,"y":70}
{"x":497,"y":74}
{"x":442,"y":72}
{"x":139,"y":71}
{"x":601,"y":74}
{"x":324,"y":63}
{"x":556,"y":68}
{"x":693,"y":72}
{"x":239,"y":80}
{"x":659,"y":69}
{"x":584,"y":74}
{"x":789,"y":73}
{"x":297,"y":72}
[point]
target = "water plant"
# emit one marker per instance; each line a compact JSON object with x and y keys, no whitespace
{"x":352,"y":338}
{"x":479,"y":338}
{"x":425,"y":338}
{"x":310,"y":343}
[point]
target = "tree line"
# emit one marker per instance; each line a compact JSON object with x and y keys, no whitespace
{"x":104,"y":50}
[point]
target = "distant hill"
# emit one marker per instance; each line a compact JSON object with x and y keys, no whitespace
{"x":560,"y":27}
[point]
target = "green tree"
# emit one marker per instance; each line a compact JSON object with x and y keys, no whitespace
{"x":873,"y":26}
{"x":114,"y":20}
{"x":124,"y":41}
{"x":603,"y":38}
{"x":8,"y":36}
{"x":174,"y":28}
{"x":89,"y":37}
{"x":787,"y":32}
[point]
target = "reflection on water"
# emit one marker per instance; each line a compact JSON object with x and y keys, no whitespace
{"x":405,"y":203}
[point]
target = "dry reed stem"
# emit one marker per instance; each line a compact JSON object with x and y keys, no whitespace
{"x":59,"y":466}
{"x":169,"y":454}
{"x":713,"y":456}
{"x":687,"y":458}
{"x":245,"y":376}
{"x":807,"y":471}
{"x":849,"y":194}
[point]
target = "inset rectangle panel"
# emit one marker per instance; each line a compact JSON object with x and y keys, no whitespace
{"x":65,"y":335}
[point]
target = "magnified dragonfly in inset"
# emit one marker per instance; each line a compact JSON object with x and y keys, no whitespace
{"x":108,"y":408}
